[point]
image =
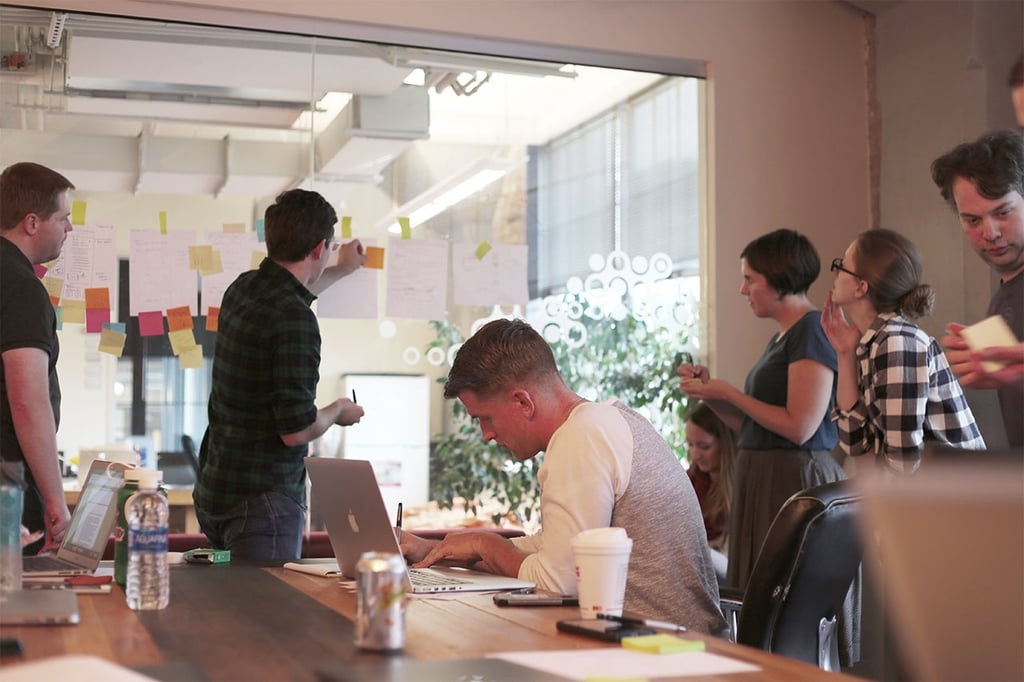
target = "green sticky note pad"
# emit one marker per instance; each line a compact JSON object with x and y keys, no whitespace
{"x":662,"y":644}
{"x":403,"y":223}
{"x":346,"y":227}
{"x":483,"y":249}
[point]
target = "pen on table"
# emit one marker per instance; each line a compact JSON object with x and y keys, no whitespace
{"x":398,"y":519}
{"x":646,"y":622}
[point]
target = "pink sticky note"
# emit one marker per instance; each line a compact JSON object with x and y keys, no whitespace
{"x":95,"y":318}
{"x":151,"y":323}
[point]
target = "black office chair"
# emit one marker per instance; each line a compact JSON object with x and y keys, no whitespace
{"x":188,"y":446}
{"x":805,"y":568}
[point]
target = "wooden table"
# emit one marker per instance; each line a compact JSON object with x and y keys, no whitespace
{"x":253,"y":622}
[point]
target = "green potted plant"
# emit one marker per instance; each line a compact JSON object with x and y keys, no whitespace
{"x":631,"y":359}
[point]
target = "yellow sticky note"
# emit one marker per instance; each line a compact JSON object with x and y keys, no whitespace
{"x":181,"y":340}
{"x":234,"y":227}
{"x":482,"y":249}
{"x":112,"y":342}
{"x":214,"y":266}
{"x":54,"y":287}
{"x":403,"y":223}
{"x":662,"y":643}
{"x":346,"y":227}
{"x":198,"y":256}
{"x":74,"y":311}
{"x":191,"y":358}
{"x":163,"y":222}
{"x":257,"y":258}
{"x":78,"y":213}
{"x":374,"y":258}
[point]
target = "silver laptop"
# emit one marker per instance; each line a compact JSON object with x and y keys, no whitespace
{"x":950,"y":543}
{"x":39,"y":607}
{"x":94,"y":517}
{"x":353,"y":510}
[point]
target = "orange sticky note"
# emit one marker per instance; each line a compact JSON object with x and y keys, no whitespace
{"x":212,"y":318}
{"x":179,"y":318}
{"x":374,"y":258}
{"x":97,"y":298}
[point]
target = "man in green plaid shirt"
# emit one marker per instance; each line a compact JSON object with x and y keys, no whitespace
{"x":250,"y":493}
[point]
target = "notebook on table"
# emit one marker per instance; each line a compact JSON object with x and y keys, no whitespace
{"x":94,"y":517}
{"x":357,"y":522}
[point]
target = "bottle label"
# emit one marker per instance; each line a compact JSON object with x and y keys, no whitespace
{"x":147,"y":540}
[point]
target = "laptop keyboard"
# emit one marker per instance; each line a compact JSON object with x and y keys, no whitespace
{"x":432,"y":579}
{"x":46,"y":563}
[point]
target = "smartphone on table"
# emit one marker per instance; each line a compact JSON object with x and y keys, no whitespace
{"x":604,"y":630}
{"x":534,"y":598}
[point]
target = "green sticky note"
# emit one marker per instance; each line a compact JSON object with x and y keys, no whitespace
{"x":482,"y":249}
{"x":662,"y":644}
{"x":346,"y":227}
{"x":78,"y":213}
{"x":163,"y":222}
{"x":403,"y":223}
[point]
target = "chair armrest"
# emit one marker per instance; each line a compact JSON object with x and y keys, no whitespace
{"x":730,"y":596}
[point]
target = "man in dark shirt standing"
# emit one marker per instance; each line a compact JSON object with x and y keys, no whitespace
{"x":35,"y":218}
{"x":250,"y":492}
{"x":984,"y":182}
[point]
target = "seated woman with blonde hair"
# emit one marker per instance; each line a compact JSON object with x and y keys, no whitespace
{"x":711,"y":449}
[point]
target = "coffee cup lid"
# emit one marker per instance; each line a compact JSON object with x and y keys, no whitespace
{"x":601,"y":537}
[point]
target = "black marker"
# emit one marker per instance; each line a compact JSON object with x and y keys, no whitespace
{"x":646,"y":622}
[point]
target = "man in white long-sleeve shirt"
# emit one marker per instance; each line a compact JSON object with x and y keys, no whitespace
{"x":604,"y":465}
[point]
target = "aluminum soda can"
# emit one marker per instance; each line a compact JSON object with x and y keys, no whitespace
{"x":380,"y":602}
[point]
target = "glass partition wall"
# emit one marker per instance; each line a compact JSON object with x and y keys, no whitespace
{"x":565,"y":193}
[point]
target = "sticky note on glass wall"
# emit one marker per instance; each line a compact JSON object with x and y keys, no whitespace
{"x":405,"y":227}
{"x":78,"y":213}
{"x":151,"y":323}
{"x":374,"y":258}
{"x":346,"y":227}
{"x":179,"y":318}
{"x":112,"y":342}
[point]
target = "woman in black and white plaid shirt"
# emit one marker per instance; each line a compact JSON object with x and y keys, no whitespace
{"x":895,"y":388}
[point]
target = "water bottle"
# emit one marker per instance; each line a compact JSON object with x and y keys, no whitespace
{"x":130,"y":487}
{"x":147,"y":511}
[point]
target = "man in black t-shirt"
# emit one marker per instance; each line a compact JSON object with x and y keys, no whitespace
{"x":35,"y":217}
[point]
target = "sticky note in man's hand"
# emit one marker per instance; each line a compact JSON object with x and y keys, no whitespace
{"x":374,"y":258}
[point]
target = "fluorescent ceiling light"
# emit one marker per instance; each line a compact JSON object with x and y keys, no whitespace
{"x":450,"y":192}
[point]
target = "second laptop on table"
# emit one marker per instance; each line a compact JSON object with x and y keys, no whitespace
{"x":353,"y":510}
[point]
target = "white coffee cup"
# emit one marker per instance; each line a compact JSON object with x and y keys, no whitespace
{"x":602,"y":565}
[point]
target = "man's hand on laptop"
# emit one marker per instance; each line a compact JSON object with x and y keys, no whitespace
{"x":413,"y":547}
{"x":27,"y":538}
{"x":57,"y":522}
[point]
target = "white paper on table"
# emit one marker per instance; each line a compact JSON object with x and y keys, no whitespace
{"x":580,"y":664}
{"x":72,"y":667}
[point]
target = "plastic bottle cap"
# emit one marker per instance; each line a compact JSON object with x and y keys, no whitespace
{"x":149,"y":479}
